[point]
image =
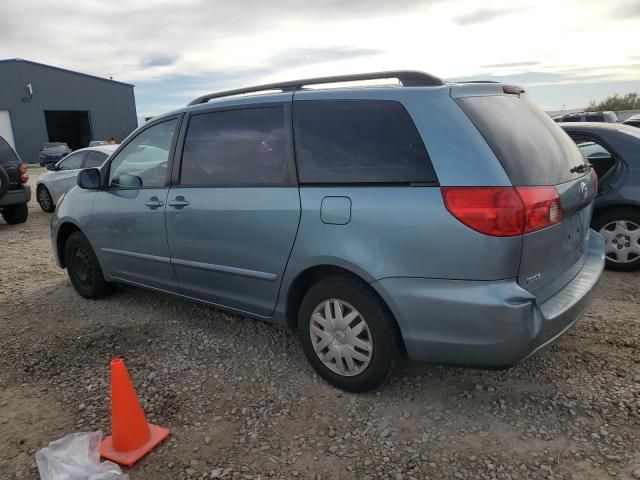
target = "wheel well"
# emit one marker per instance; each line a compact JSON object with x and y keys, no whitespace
{"x":605,"y":209}
{"x":65,"y":231}
{"x":308,"y":277}
{"x":615,"y":206}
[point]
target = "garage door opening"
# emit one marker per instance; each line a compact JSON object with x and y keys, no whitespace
{"x":69,"y":126}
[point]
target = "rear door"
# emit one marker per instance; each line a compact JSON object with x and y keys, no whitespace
{"x":233,"y":210}
{"x":534,"y":151}
{"x":9,"y":161}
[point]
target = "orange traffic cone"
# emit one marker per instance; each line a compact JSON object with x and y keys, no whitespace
{"x":131,"y":437}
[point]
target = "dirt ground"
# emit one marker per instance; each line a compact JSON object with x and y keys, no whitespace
{"x":242,"y":402}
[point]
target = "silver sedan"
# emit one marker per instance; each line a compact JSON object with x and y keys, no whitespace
{"x":62,"y":175}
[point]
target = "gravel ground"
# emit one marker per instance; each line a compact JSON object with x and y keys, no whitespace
{"x":242,"y":402}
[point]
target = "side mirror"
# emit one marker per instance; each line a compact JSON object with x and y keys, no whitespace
{"x":127,"y":180}
{"x":89,"y":179}
{"x":51,"y":166}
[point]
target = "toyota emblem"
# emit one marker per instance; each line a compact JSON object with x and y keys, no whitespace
{"x":584,"y":190}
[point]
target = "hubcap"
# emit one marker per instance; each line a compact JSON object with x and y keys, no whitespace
{"x":82,"y":266}
{"x":622,"y":241}
{"x":43,"y":196}
{"x":341,"y":337}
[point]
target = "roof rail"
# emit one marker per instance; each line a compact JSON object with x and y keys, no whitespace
{"x":408,"y":78}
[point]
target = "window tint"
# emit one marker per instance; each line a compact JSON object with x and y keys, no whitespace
{"x":143,"y":161}
{"x":72,"y":161}
{"x":353,"y":141}
{"x":94,"y":159}
{"x":532,"y":149}
{"x":594,"y":118}
{"x":7,"y":155}
{"x":235,"y":147}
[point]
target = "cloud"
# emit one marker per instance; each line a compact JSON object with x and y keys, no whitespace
{"x":561,"y":75}
{"x":512,"y":64}
{"x":159,"y":61}
{"x":123,"y":39}
{"x":175,"y":50}
{"x":627,"y":10}
{"x":301,"y":56}
{"x":482,"y":15}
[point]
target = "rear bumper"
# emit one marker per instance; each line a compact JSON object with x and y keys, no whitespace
{"x":492,"y":324}
{"x":16,"y":197}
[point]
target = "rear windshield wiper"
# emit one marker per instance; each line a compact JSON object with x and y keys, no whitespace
{"x":581,"y":168}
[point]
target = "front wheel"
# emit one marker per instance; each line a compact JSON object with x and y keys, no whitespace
{"x":621,"y":229}
{"x":44,"y":199}
{"x":347,"y":334}
{"x":83,"y":268}
{"x":16,"y":214}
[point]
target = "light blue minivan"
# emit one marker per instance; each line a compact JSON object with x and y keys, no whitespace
{"x":446,"y":221}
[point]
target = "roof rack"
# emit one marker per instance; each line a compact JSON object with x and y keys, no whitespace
{"x":408,"y":78}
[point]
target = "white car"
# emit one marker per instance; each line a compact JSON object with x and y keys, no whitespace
{"x":62,"y":176}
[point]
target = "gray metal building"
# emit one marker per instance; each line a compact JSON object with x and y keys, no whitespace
{"x":40,"y":103}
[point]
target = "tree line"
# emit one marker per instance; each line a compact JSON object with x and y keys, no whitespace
{"x":630,"y":101}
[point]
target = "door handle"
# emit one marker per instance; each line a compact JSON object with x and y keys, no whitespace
{"x":154,"y":203}
{"x":179,"y":202}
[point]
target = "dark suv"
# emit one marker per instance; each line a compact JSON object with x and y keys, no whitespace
{"x":14,"y":193}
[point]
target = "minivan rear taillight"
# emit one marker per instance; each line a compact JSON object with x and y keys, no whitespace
{"x":504,"y":211}
{"x":22,"y":170}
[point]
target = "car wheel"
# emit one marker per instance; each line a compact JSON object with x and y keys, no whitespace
{"x":621,"y":229}
{"x":4,"y":182}
{"x":347,"y":334}
{"x":84,"y":269}
{"x":15,"y":214}
{"x":44,"y":199}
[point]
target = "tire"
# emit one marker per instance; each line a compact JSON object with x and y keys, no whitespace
{"x":15,"y":214}
{"x":4,"y":182}
{"x":44,"y":199}
{"x":625,"y":234}
{"x":379,"y":332}
{"x":84,"y":269}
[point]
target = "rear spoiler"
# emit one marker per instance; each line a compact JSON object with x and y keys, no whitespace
{"x":482,"y":88}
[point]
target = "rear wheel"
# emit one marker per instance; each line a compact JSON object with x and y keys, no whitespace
{"x":347,"y":334}
{"x":4,"y":182}
{"x":83,"y":268}
{"x":44,"y":199}
{"x":15,"y":214}
{"x":621,"y":229}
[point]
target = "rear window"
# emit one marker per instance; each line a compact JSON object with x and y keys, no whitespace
{"x":532,"y":149}
{"x":94,"y":159}
{"x":358,"y":141}
{"x":7,"y":155}
{"x":594,"y":118}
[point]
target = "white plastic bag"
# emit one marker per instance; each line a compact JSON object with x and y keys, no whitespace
{"x":76,"y":457}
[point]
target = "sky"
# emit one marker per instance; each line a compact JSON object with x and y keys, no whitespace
{"x":564,"y":52}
